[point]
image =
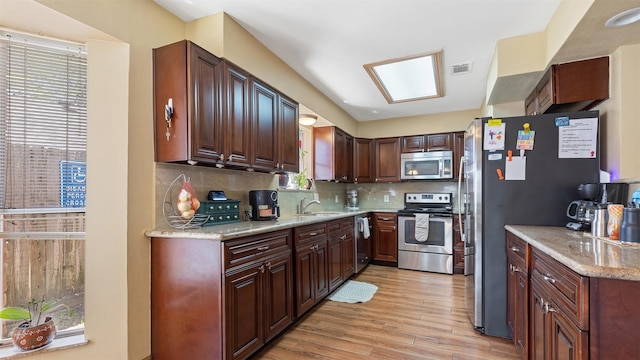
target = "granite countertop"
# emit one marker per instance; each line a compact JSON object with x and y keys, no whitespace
{"x":245,"y":228}
{"x":585,"y":254}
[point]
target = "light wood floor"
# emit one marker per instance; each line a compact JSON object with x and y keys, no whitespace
{"x":413,"y":315}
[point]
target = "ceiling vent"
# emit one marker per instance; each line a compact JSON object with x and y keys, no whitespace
{"x":462,"y":68}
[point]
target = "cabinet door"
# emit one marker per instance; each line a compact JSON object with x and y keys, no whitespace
{"x":278,"y":295}
{"x":363,"y":169}
{"x":288,"y":135}
{"x":439,"y":142}
{"x":347,"y":246}
{"x":521,"y":309}
{"x":237,"y":119}
{"x":264,"y":131}
{"x":566,"y":340}
{"x":458,"y":153}
{"x":206,"y":105}
{"x":305,"y":279}
{"x":387,"y":157}
{"x":335,"y":262}
{"x":244,"y":312}
{"x":413,"y":144}
{"x":346,"y":158}
{"x":511,"y":299}
{"x":538,"y":324}
{"x":322,"y":270}
{"x":386,"y":244}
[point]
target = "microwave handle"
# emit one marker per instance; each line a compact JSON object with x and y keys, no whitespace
{"x":441,"y":167}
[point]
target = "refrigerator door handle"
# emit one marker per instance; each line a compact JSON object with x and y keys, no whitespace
{"x":460,"y":174}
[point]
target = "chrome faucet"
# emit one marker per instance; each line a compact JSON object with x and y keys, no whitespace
{"x":303,"y":207}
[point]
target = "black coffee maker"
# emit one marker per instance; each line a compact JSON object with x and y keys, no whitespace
{"x":581,"y":211}
{"x":264,"y":205}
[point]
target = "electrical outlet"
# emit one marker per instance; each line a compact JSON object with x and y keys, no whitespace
{"x":386,"y":198}
{"x":316,"y":196}
{"x":337,"y":199}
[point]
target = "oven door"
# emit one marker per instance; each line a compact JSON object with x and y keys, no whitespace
{"x":439,"y":240}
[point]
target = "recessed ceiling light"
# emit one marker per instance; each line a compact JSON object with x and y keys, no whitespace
{"x":624,"y":18}
{"x":410,"y":78}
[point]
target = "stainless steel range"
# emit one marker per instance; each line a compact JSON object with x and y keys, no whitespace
{"x":425,"y":233}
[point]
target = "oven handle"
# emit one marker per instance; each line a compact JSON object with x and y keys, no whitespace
{"x":431,"y":216}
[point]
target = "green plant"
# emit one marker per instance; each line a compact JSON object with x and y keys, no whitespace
{"x":33,"y":314}
{"x":301,"y":178}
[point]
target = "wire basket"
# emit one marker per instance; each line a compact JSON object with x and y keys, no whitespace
{"x":171,"y":214}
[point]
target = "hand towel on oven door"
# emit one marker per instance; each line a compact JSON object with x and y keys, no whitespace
{"x":422,"y":227}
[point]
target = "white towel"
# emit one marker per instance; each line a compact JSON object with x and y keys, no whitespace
{"x":422,"y":227}
{"x":364,"y":227}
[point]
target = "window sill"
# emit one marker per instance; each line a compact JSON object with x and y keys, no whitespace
{"x":10,"y":352}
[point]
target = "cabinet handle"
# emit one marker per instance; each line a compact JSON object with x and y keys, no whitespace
{"x":385,"y":218}
{"x":515,"y":249}
{"x":277,"y":165}
{"x":262,"y":269}
{"x":343,"y":237}
{"x":548,"y":278}
{"x":269,"y":265}
{"x":547,"y":308}
{"x":313,"y":233}
{"x":316,"y":247}
{"x":263,"y":248}
{"x":514,"y":268}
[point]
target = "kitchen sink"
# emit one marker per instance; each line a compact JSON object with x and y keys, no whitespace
{"x":321,"y":213}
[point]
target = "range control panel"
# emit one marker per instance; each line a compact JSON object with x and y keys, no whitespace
{"x":427,"y":198}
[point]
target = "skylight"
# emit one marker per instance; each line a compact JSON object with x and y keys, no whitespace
{"x":410,"y":78}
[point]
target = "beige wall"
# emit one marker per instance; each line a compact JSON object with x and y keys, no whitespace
{"x":424,"y":124}
{"x":620,"y":126}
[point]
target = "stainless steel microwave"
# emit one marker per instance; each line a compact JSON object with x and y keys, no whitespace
{"x":427,"y":165}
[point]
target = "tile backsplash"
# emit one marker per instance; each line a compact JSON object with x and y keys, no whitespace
{"x":236,"y":184}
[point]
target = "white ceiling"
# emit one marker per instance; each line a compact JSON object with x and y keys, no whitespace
{"x":328,"y":42}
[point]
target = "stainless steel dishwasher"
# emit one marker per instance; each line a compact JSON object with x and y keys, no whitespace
{"x":363,"y":241}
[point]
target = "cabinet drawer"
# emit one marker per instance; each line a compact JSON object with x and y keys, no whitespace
{"x":310,"y":233}
{"x":385,"y":219}
{"x":567,"y":289}
{"x":518,"y":250}
{"x":346,"y":225}
{"x":334,"y":226}
{"x":253,"y":248}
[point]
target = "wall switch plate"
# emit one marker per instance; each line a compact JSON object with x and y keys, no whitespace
{"x":386,"y":198}
{"x":337,"y":199}
{"x":316,"y":196}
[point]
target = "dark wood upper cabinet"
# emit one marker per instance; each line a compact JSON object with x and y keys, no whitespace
{"x":458,"y":153}
{"x":429,"y":142}
{"x":190,"y":77}
{"x":439,"y":142}
{"x":363,"y":160}
{"x":573,"y":86}
{"x":387,"y":160}
{"x":413,"y":143}
{"x":222,"y":115}
{"x":333,"y":152}
{"x":274,"y":130}
{"x":236,"y":116}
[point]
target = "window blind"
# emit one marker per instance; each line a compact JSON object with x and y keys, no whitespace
{"x":42,"y":137}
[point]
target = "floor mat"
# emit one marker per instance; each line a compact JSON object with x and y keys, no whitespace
{"x":354,"y":292}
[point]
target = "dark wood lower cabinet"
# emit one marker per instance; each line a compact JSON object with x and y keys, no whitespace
{"x":569,"y":316}
{"x":385,"y":237}
{"x":312,"y":266}
{"x":206,"y":305}
{"x":341,"y":252}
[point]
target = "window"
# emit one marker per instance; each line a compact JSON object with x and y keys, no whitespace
{"x":42,"y":174}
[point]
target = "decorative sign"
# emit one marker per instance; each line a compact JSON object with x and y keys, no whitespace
{"x":494,"y":137}
{"x":73,"y":189}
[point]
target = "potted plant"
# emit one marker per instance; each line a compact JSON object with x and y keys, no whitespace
{"x":301,"y":178}
{"x":35,"y":330}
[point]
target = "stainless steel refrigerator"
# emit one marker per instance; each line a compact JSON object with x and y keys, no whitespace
{"x":533,"y":191}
